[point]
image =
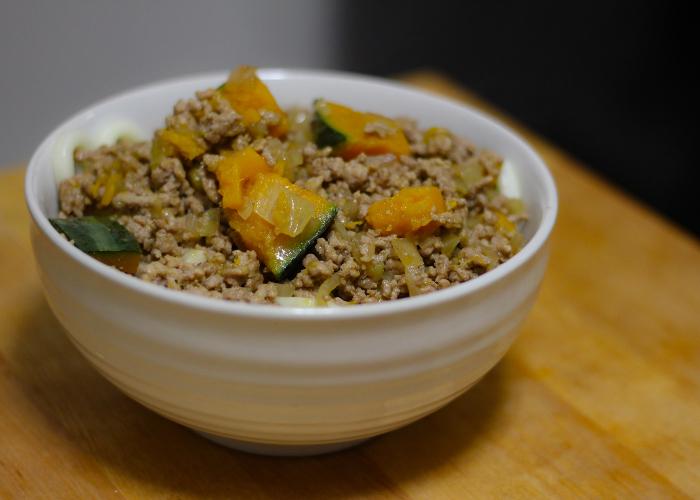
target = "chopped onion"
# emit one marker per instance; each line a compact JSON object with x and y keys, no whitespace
{"x":208,"y":223}
{"x":276,"y":149}
{"x":295,"y":155}
{"x":203,"y":226}
{"x":284,"y":289}
{"x":504,"y":224}
{"x":355,"y":249}
{"x":296,"y":301}
{"x":449,"y":243}
{"x":477,"y":259}
{"x":434,"y":132}
{"x":299,"y":126}
{"x":247,"y":209}
{"x":258,"y":129}
{"x":292,"y":213}
{"x":491,"y":193}
{"x":291,"y":158}
{"x":350,"y":208}
{"x":473,"y":220}
{"x":327,"y":287}
{"x":340,"y":228}
{"x":194,"y":256}
{"x":407,"y":252}
{"x":517,"y":240}
{"x":264,"y":206}
{"x":515,"y":205}
{"x":492,"y":255}
{"x":371,"y":250}
{"x":468,"y":174}
{"x":376,"y":270}
{"x":412,"y":262}
{"x":156,"y":209}
{"x":353,"y":242}
{"x":190,"y":223}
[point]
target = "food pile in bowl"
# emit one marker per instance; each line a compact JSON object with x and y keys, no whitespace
{"x":238,"y":199}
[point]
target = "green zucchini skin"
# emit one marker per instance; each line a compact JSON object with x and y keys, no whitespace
{"x":323,"y":131}
{"x":288,"y":260}
{"x":102,"y":238}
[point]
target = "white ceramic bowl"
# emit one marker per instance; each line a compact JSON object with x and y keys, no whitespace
{"x":285,"y":380}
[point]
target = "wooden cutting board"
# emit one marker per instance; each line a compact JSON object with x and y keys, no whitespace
{"x":599,"y":397}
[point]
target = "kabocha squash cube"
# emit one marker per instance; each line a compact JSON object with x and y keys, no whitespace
{"x":250,"y":98}
{"x":281,"y":222}
{"x":351,"y":132}
{"x":408,"y":211}
{"x":234,"y":171}
{"x":184,"y":140}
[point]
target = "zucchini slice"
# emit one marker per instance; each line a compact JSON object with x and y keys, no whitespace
{"x":102,"y":238}
{"x":351,"y":132}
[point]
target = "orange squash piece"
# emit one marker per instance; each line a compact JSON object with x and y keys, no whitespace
{"x":288,"y":207}
{"x":250,"y":97}
{"x":185,"y":141}
{"x":280,"y":221}
{"x":408,"y":211}
{"x":235,"y":169}
{"x":351,"y":132}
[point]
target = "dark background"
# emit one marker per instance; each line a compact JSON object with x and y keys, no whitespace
{"x":608,"y":82}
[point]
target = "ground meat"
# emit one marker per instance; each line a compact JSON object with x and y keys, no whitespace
{"x":162,"y":201}
{"x":73,"y":199}
{"x":379,"y":129}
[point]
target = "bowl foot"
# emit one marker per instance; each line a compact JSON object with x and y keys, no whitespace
{"x":280,"y":450}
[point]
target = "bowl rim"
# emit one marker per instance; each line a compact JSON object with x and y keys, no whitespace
{"x":276,"y":312}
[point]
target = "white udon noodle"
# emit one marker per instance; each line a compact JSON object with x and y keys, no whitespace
{"x":105,"y":133}
{"x":508,"y":183}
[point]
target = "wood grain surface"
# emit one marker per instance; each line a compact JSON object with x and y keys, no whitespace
{"x":599,"y":396}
